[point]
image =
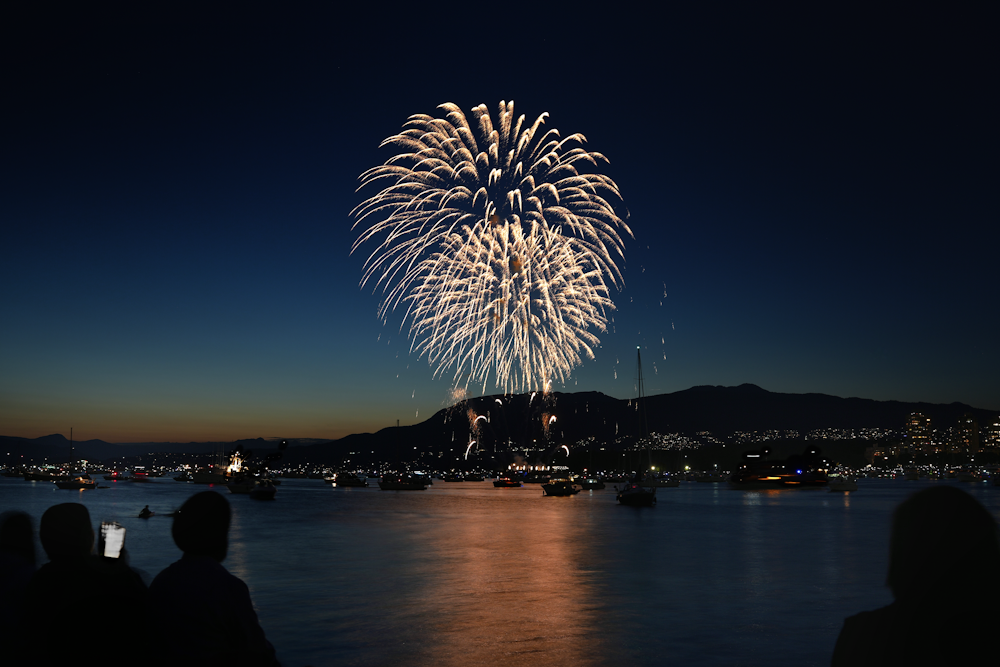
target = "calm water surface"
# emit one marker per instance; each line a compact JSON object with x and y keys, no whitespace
{"x":466,"y":574}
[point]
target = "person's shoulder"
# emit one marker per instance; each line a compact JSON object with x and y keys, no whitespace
{"x":865,"y":638}
{"x":198,"y":568}
{"x":876,"y":616}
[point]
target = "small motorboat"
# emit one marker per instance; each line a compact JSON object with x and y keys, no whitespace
{"x":841,"y":483}
{"x":342,"y":479}
{"x":264,"y":490}
{"x":635,"y":495}
{"x":506,"y":483}
{"x":146,"y":513}
{"x":76,"y":483}
{"x":402,"y":483}
{"x":560,"y":487}
{"x":590,"y":483}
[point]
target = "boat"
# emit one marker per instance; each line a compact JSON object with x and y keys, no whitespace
{"x":560,"y":487}
{"x":588,"y":483}
{"x":803,"y":471}
{"x":145,"y":513}
{"x":537,"y":477}
{"x":36,"y":476}
{"x":634,"y":494}
{"x":402,"y":483}
{"x":78,"y":482}
{"x":184,"y":477}
{"x":453,"y":477}
{"x":639,"y":492}
{"x":472,"y":477}
{"x":710,"y":477}
{"x":342,"y":479}
{"x":209,"y":477}
{"x":73,"y":481}
{"x":264,"y":490}
{"x":506,"y":483}
{"x":842,"y":483}
{"x":255,"y":487}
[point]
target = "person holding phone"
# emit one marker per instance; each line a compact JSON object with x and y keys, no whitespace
{"x":61,"y":607}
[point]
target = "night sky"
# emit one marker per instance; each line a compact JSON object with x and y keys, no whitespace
{"x":813,"y":197}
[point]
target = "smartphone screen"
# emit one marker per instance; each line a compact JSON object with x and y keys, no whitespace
{"x":113,"y":537}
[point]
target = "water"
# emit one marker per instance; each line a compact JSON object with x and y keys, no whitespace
{"x":466,"y":574}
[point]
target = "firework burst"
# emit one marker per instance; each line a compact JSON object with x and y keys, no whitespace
{"x":499,"y":243}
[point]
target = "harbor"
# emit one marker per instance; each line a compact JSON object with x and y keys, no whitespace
{"x":467,"y":573}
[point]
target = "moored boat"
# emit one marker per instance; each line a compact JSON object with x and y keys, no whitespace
{"x":560,"y":487}
{"x":209,"y":477}
{"x":78,"y":482}
{"x":342,"y":479}
{"x":842,"y":483}
{"x":402,"y":483}
{"x":634,"y":494}
{"x":264,"y":490}
{"x":587,"y":483}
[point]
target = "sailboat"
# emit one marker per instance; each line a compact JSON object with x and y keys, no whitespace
{"x":75,"y":482}
{"x":637,"y":492}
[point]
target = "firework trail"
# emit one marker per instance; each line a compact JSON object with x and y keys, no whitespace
{"x":499,"y":243}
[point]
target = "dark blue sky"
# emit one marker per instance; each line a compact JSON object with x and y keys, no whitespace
{"x":813,"y":197}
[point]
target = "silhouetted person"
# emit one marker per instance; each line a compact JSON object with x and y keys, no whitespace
{"x":144,"y":513}
{"x":17,"y":565}
{"x":944,"y":560}
{"x":203,"y":611}
{"x":77,"y":599}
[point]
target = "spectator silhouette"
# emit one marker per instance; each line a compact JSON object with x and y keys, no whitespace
{"x":944,"y":557}
{"x":17,"y":565}
{"x":78,"y":597}
{"x":203,"y":611}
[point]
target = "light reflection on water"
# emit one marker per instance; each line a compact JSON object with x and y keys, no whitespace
{"x":472,"y":575}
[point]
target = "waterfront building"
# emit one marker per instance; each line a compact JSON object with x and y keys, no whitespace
{"x":966,"y":435}
{"x":918,"y":433}
{"x":991,"y":435}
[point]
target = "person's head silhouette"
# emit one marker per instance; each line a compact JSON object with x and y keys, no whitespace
{"x":65,"y":532}
{"x":201,"y":526}
{"x":16,"y":537}
{"x":940,"y":532}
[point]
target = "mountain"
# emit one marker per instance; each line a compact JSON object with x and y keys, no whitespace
{"x":571,"y":418}
{"x":56,"y":448}
{"x":579,"y":416}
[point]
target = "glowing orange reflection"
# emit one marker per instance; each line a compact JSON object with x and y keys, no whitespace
{"x":516,"y":587}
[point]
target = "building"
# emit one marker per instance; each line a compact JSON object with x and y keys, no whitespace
{"x":991,"y":435}
{"x":918,"y":433}
{"x":966,"y":435}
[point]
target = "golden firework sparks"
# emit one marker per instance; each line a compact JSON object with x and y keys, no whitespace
{"x":499,"y":243}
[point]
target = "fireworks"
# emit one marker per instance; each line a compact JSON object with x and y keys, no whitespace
{"x":498,"y":243}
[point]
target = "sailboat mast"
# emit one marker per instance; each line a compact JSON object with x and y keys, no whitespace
{"x":640,"y":393}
